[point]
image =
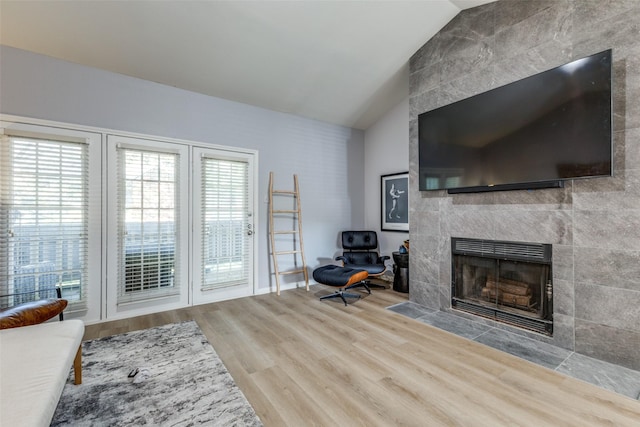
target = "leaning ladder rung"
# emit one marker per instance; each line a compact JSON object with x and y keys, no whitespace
{"x":283,"y":192}
{"x":287,"y":211}
{"x":291,"y":272}
{"x":286,"y":232}
{"x":287,"y":252}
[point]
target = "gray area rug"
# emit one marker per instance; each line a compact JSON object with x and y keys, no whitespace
{"x":181,"y":381}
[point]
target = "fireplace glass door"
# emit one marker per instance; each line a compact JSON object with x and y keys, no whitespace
{"x":515,"y":291}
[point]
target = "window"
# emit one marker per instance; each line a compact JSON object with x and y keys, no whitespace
{"x":44,"y":189}
{"x":148,"y":216}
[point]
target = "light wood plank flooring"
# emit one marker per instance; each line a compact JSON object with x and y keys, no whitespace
{"x":303,"y":362}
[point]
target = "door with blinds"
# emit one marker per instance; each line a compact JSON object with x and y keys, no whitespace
{"x":223,"y":225}
{"x":148,"y":226}
{"x":50,"y":217}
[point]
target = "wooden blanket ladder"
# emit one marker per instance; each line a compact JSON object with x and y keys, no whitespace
{"x":295,"y":213}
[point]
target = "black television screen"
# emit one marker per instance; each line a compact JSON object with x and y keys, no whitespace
{"x":540,"y":130}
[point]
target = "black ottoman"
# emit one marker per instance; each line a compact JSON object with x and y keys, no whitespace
{"x":341,"y":277}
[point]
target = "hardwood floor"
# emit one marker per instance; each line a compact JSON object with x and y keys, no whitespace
{"x":300,"y":361}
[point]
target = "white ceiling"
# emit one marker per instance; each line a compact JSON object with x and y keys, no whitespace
{"x":343,"y":62}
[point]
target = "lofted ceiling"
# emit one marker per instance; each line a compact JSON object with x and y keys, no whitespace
{"x":342,"y":62}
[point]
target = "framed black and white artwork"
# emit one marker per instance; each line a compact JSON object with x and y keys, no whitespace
{"x":395,"y":202}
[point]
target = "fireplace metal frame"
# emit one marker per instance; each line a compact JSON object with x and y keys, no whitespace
{"x":536,"y":253}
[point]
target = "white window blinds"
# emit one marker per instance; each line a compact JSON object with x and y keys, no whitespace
{"x":225,"y":223}
{"x":44,"y":219}
{"x":148,"y":218}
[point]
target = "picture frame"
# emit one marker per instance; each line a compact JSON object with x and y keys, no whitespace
{"x":394,"y":194}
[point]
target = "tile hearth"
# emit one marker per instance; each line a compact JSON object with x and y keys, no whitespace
{"x":603,"y":374}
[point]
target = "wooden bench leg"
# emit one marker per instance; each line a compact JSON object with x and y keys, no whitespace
{"x":77,"y":366}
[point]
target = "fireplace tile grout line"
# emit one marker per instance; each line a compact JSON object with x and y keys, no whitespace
{"x":565,"y":360}
{"x":603,"y":374}
{"x":484,"y":333}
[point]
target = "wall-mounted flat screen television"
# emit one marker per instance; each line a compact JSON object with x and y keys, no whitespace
{"x":533,"y":133}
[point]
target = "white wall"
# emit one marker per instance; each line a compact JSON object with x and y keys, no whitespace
{"x":386,"y":152}
{"x":329,"y":159}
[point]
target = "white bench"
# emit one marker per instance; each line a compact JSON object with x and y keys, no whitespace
{"x":34,"y":367}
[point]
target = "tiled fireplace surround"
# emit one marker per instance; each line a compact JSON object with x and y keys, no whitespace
{"x":594,"y":224}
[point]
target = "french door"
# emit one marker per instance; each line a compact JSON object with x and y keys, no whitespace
{"x":148,"y":226}
{"x":178,"y":235}
{"x":124,"y":225}
{"x":223,"y":225}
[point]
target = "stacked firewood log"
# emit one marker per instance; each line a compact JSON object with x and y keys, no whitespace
{"x":508,"y":292}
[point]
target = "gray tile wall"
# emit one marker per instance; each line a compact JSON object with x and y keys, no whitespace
{"x":594,"y":225}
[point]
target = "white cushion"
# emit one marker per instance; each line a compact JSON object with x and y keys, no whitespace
{"x":34,"y":367}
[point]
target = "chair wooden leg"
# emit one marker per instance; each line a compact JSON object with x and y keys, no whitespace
{"x":77,"y":366}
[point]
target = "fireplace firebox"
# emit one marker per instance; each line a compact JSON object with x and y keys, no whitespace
{"x":509,"y":282}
